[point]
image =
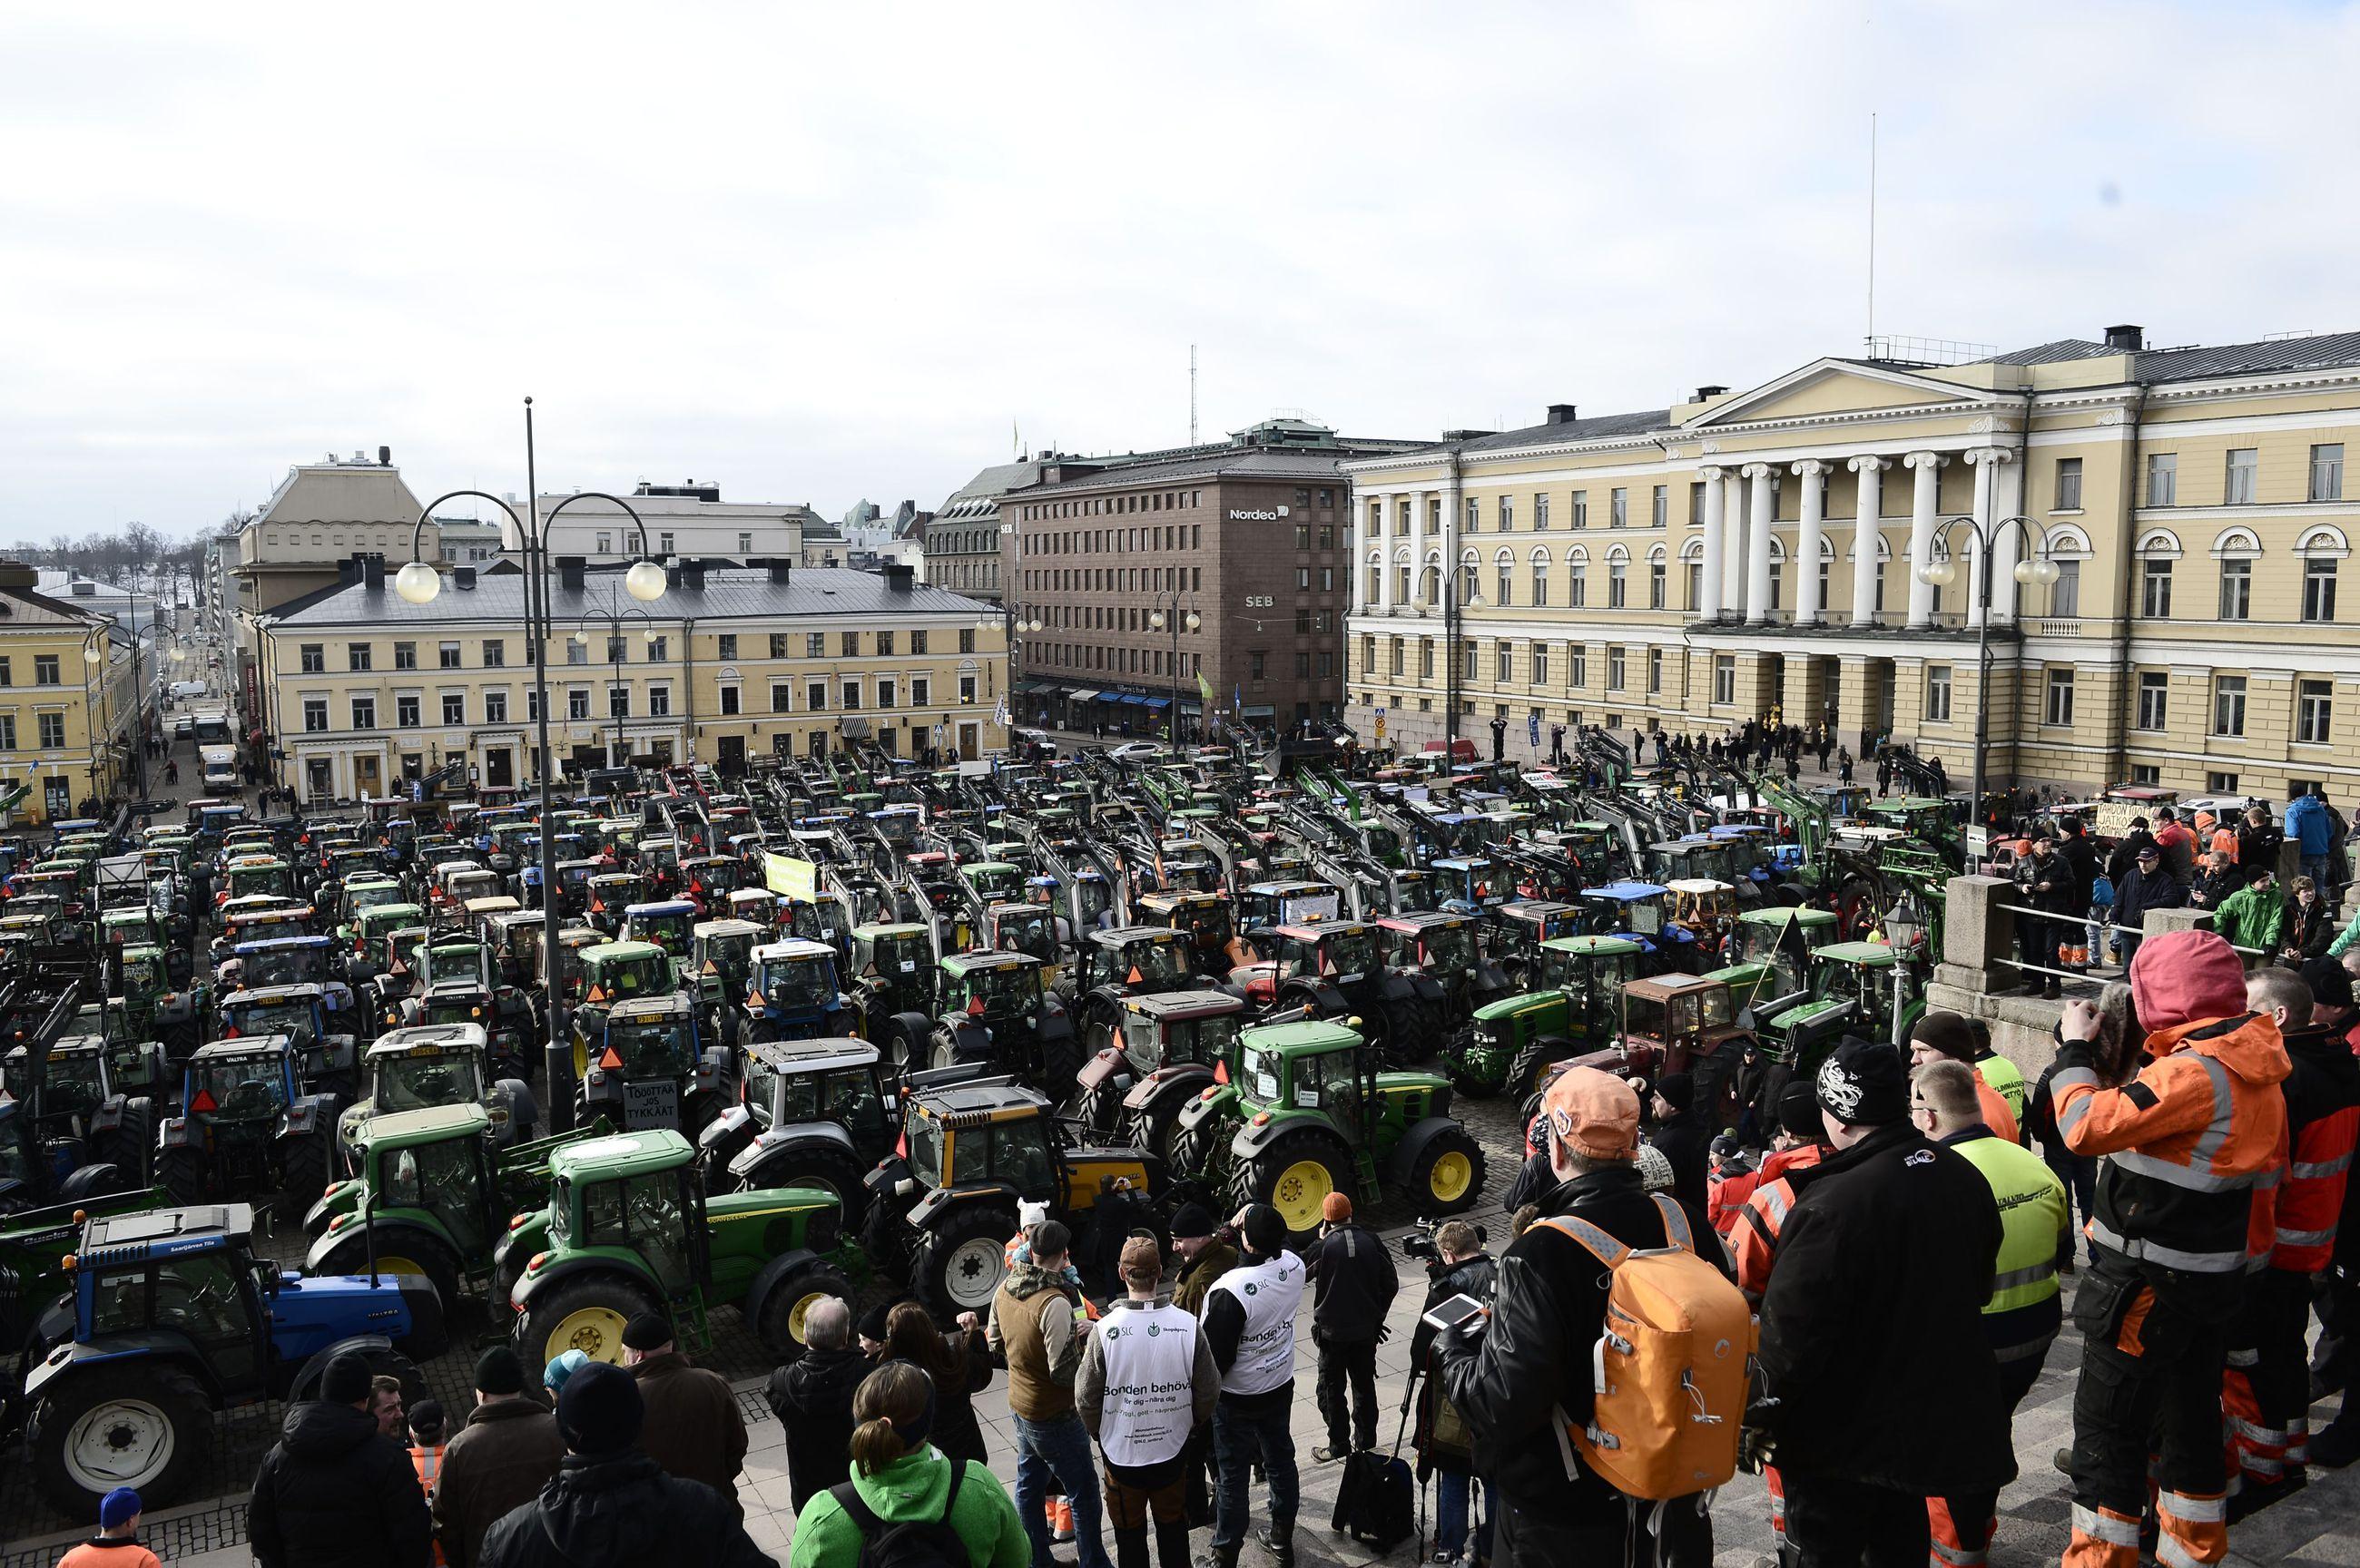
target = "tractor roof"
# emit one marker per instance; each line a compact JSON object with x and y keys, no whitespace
{"x":266,"y":996}
{"x":1164,"y":1006}
{"x":1123,"y":936}
{"x":878,"y":932}
{"x":427,"y":1039}
{"x":813,"y":1055}
{"x":1324,"y":929}
{"x":243,"y":1045}
{"x":1698,"y":886}
{"x":1591,"y":946}
{"x":1663,"y":988}
{"x":280,"y":944}
{"x":1783,"y":915}
{"x":1177,"y":897}
{"x":1626,"y":892}
{"x":622,"y":1154}
{"x":70,"y":1045}
{"x":969,"y":1105}
{"x":970,"y":963}
{"x":793,"y":949}
{"x":711,"y":929}
{"x":1308,"y":1034}
{"x":1875,"y":954}
{"x":1532,"y":911}
{"x":1278,"y":889}
{"x":619,"y":952}
{"x":434,"y":1124}
{"x":161,"y":1233}
{"x":1435,"y":919}
{"x":649,"y":1009}
{"x":661,"y":907}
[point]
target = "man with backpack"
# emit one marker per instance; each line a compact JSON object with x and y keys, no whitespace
{"x":1525,"y":1383}
{"x":1867,"y":1422}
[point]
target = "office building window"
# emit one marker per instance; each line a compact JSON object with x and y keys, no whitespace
{"x":313,"y":657}
{"x":315,"y":715}
{"x":659,"y":649}
{"x":2060,"y":710}
{"x":2327,"y":471}
{"x":454,"y":707}
{"x":2228,"y":704}
{"x":1655,"y":669}
{"x":2220,"y":783}
{"x":1577,"y":667}
{"x":577,"y":703}
{"x":1581,"y":508}
{"x":1616,"y":668}
{"x":2162,"y":478}
{"x":7,"y":732}
{"x":2315,"y":712}
{"x":1505,"y":664}
{"x":1656,"y":585}
{"x":619,"y":700}
{"x":778,"y":644}
{"x":889,"y":692}
{"x":2069,"y":484}
{"x":1617,"y":585}
{"x":2065,"y":593}
{"x":2154,"y":699}
{"x":576,"y":651}
{"x":782,"y":697}
{"x":1938,"y":693}
{"x":2237,"y":590}
{"x":1540,"y":664}
{"x":405,"y":656}
{"x":966,"y":642}
{"x":1540,"y":512}
{"x":917,"y":642}
{"x":1695,"y":585}
{"x":815,"y":695}
{"x":356,"y":656}
{"x":2245,"y":476}
{"x":1660,"y":508}
{"x":1618,"y":515}
{"x":53,"y":731}
{"x":1724,"y":679}
{"x":726,"y":645}
{"x":405,"y":710}
{"x":745,"y":543}
{"x":606,"y":544}
{"x":364,"y":713}
{"x":921,"y":690}
{"x":1577,"y":592}
{"x":2319,"y":589}
{"x":2155,"y":589}
{"x":496,"y":707}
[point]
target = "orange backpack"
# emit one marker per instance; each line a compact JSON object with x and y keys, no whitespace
{"x":1670,"y":1368}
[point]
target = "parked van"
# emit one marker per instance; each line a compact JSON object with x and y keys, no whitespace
{"x":221,"y":767}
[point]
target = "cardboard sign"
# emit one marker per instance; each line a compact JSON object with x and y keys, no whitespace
{"x":653,"y":1103}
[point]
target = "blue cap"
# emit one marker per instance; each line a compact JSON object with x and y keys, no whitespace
{"x":565,"y":1366}
{"x":118,"y":1508}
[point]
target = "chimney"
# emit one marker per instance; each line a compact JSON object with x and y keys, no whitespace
{"x":2125,"y":339}
{"x":897,"y":577}
{"x":464,"y":579}
{"x":781,"y":569}
{"x":373,"y":573}
{"x":1706,"y":394}
{"x":348,"y":572}
{"x":1560,"y":413}
{"x":691,"y":575}
{"x":385,"y":457}
{"x":672,"y":574}
{"x":569,"y":573}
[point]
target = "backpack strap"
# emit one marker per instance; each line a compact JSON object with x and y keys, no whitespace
{"x":958,"y":1469}
{"x":1591,"y":1239}
{"x":1676,"y":1223}
{"x":863,"y":1518}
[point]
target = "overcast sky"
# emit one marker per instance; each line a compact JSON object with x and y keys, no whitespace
{"x":816,"y":254}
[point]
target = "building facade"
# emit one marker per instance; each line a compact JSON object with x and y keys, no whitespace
{"x":688,"y":521}
{"x":1251,"y":536}
{"x":1757,"y":553}
{"x":66,"y":719}
{"x":368,"y":689}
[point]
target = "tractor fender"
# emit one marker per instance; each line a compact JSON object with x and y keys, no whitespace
{"x":970,"y":1041}
{"x":514,"y":1096}
{"x":313,"y":1113}
{"x":910,"y":1026}
{"x":1425,"y":988}
{"x":311,"y":1374}
{"x":109,"y":1115}
{"x":1325,"y":1001}
{"x":338,"y":1052}
{"x":600,"y":1262}
{"x":1108,"y":1064}
{"x":733,"y":1119}
{"x":1253,"y":1138}
{"x":175,"y":1006}
{"x":767,"y":1280}
{"x":931,"y":1209}
{"x":1056,"y":1023}
{"x":180,"y":1132}
{"x":1185,"y":1079}
{"x":390,"y":1240}
{"x":89,"y":1181}
{"x":781,"y":1140}
{"x":1397,"y":1165}
{"x":144,"y":1345}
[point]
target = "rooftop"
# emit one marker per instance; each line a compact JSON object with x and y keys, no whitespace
{"x":728,"y":594}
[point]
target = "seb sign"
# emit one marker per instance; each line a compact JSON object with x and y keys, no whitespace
{"x":1257,"y":513}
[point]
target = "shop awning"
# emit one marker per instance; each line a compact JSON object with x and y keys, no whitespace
{"x":1080,"y":696}
{"x":1131,"y":697}
{"x":1159,"y":701}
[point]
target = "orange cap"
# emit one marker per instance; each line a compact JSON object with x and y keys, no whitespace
{"x":1595,"y":1113}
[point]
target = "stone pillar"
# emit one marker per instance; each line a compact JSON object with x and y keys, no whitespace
{"x":1854,"y":716}
{"x":1922,"y":504}
{"x":1983,"y":459}
{"x":1709,"y":599}
{"x":1760,"y":510}
{"x":1386,"y":557}
{"x":1807,"y":547}
{"x":1420,"y":594}
{"x":1805,"y":696}
{"x":1358,"y":555}
{"x":1978,"y":931}
{"x":1732,"y":553}
{"x":2008,"y":501}
{"x":1866,"y":531}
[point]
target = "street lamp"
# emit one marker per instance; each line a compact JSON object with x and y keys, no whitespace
{"x":418,"y":583}
{"x":1941,"y":569}
{"x":1168,"y":610}
{"x":614,"y":619}
{"x":90,"y":660}
{"x":1013,"y":620}
{"x":1453,"y":601}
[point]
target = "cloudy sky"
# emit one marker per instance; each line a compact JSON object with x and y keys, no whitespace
{"x":825,"y":253}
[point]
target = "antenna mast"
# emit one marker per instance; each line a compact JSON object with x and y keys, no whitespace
{"x":1872,"y":226}
{"x":1192,"y":394}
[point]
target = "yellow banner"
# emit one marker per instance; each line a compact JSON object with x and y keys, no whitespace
{"x":790,"y":877}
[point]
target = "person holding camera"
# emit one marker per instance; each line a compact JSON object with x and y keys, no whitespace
{"x":1352,"y":1287}
{"x":1456,"y":1266}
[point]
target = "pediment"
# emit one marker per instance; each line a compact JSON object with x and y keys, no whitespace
{"x":1833,"y":388}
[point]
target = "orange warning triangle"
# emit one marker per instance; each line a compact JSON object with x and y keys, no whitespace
{"x":1221,"y":1070}
{"x":612,"y":1061}
{"x":975,"y":1007}
{"x":1135,"y":975}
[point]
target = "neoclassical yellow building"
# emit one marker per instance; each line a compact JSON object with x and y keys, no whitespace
{"x":66,"y":718}
{"x":366,"y":690}
{"x":2183,"y":517}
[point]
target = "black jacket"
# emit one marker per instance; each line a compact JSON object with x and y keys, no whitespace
{"x":2126,"y":853}
{"x":331,"y":1493}
{"x":1686,"y":1141}
{"x":1893,"y":1231}
{"x":811,"y":1397}
{"x":621,"y":1511}
{"x":2309,"y":932}
{"x":2045,"y":884}
{"x":2081,"y":857}
{"x":1353,"y":1283}
{"x":2137,"y":892}
{"x":1547,"y":1314}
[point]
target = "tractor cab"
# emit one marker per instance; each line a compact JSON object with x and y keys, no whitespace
{"x":1203,"y":918}
{"x":1472,"y":883}
{"x":1681,"y":1023}
{"x":1857,"y":987}
{"x":994,"y":880}
{"x":1133,"y":959}
{"x":643,"y":1064}
{"x":422,"y":1065}
{"x":245,"y":878}
{"x":1573,"y":1004}
{"x":1639,"y":910}
{"x":794,"y":992}
{"x":295,"y":961}
{"x":1025,"y":928}
{"x":298,"y":1012}
{"x":1768,"y":953}
{"x":671,"y":925}
{"x":1264,"y":905}
{"x":609,"y":894}
{"x":810,"y":1112}
{"x":1519,"y":929}
{"x":1706,"y":908}
{"x":1162,"y":1048}
{"x":721,"y":959}
{"x":1443,"y":947}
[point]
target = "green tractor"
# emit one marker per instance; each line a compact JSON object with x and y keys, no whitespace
{"x":1857,"y":987}
{"x":813,"y":1113}
{"x":152,"y":1007}
{"x":1770,"y":951}
{"x":431,"y":1066}
{"x":996,"y":1010}
{"x":1310,"y":1113}
{"x":1575,"y":1009}
{"x":892,"y":975}
{"x":628,"y":1228}
{"x":720,"y":969}
{"x":944,"y":1207}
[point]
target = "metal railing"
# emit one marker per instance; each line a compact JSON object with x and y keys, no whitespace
{"x":2092,"y":923}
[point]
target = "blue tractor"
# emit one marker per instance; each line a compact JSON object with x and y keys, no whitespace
{"x":794,"y":994}
{"x":170,"y":1318}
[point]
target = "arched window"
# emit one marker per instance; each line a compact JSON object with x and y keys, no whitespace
{"x":1405,"y":583}
{"x":1577,"y":590}
{"x":1503,"y":563}
{"x":1618,"y":575}
{"x":1470,"y":587}
{"x":1375,"y":569}
{"x":1658,"y":578}
{"x":2237,"y":549}
{"x":1540,"y":564}
{"x":2321,"y":549}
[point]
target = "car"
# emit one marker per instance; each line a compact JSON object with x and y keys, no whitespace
{"x":1135,"y":751}
{"x":183,"y":726}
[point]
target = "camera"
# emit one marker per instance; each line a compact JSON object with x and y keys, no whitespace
{"x":1420,"y":1244}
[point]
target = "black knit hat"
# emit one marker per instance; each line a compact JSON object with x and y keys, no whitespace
{"x":1864,"y":1084}
{"x":1799,"y":1113}
{"x":347,"y":1381}
{"x":1192,"y":1220}
{"x":873,"y":1321}
{"x":646,"y":1332}
{"x":1265,"y":1230}
{"x":600,"y":1411}
{"x":2330,"y":982}
{"x":497,"y":1371}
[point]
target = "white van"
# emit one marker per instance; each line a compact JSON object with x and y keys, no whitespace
{"x":180,"y":689}
{"x":221,"y":767}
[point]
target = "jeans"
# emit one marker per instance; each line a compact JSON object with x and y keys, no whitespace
{"x":1353,"y":1361}
{"x":2315,"y":867}
{"x":1059,"y":1448}
{"x":1454,"y":1490}
{"x":2079,"y":1174}
{"x":1238,"y":1438}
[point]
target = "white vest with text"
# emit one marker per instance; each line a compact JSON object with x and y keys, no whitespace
{"x":1151,"y":1364}
{"x":1270,"y":1291}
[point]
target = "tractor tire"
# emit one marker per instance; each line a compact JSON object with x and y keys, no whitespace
{"x":514,"y":1096}
{"x":905,"y":1043}
{"x":1099,"y":1112}
{"x":181,"y":1171}
{"x":1061,"y":1065}
{"x":350,"y":1256}
{"x":1525,"y":1067}
{"x":1404,"y":1035}
{"x":699,"y":1111}
{"x":827,"y":1169}
{"x":131,"y":1147}
{"x":942,"y":1049}
{"x":1201,"y":1151}
{"x":304,"y":1170}
{"x":959,"y":1266}
{"x":143,"y":1426}
{"x":1448,"y":1176}
{"x":1153,"y":1125}
{"x":586,"y":1313}
{"x":1294,"y":1174}
{"x":791,"y":1299}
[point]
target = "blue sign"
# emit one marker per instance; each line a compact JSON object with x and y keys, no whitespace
{"x":1533,"y":728}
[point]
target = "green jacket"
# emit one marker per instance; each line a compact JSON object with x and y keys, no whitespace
{"x":2252,"y":917}
{"x":911,"y":1488}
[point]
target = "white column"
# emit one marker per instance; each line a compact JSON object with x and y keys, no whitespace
{"x":1386,"y":557}
{"x":1760,"y":510}
{"x":1806,"y":542}
{"x":1865,"y":534}
{"x":2007,"y":500}
{"x":1928,"y":465}
{"x":1709,"y":598}
{"x":1359,"y":555}
{"x":1984,"y":460}
{"x":1423,"y":592}
{"x":1732,"y":553}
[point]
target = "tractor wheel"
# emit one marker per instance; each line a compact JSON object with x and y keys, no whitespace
{"x":959,"y":1266}
{"x":824,"y":1168}
{"x":698,"y":1111}
{"x":1403,"y":1039}
{"x":181,"y":1171}
{"x":586,"y":1313}
{"x":303,"y":1171}
{"x":942,"y":1049}
{"x":791,"y":1299}
{"x":409,"y":1254}
{"x":1202,"y":1150}
{"x":142,"y":1426}
{"x":1294,"y":1174}
{"x":1061,"y":1065}
{"x":1152,"y":1126}
{"x":131,"y":1147}
{"x":1099,"y":1112}
{"x":1524,"y":1068}
{"x":905,"y":1045}
{"x":1448,"y":1176}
